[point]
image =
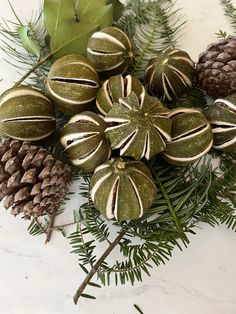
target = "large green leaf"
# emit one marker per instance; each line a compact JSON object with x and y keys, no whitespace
{"x":29,"y":44}
{"x":56,"y":12}
{"x":102,"y":16}
{"x":72,"y":37}
{"x":84,"y":6}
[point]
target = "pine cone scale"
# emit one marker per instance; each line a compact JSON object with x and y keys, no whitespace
{"x":32,"y":181}
{"x":14,"y":180}
{"x":8,"y":201}
{"x":216,"y":68}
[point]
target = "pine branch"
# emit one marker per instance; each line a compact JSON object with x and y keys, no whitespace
{"x":194,"y":98}
{"x":230,"y":11}
{"x":68,"y":224}
{"x":224,"y":212}
{"x":14,"y":12}
{"x":35,"y":66}
{"x":84,"y":249}
{"x":95,"y":222}
{"x":44,"y":224}
{"x":50,"y":227}
{"x":36,"y":227}
{"x":95,"y":268}
{"x":86,"y":246}
{"x":139,"y":259}
{"x":13,"y":47}
{"x":222,"y":194}
{"x":186,"y":189}
{"x":169,"y":204}
{"x":154,"y":26}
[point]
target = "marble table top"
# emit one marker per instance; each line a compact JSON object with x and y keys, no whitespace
{"x":39,"y":279}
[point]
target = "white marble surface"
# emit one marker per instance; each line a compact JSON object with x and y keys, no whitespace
{"x":39,"y":279}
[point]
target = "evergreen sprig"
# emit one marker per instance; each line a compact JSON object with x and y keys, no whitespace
{"x":230,"y":11}
{"x":154,"y":26}
{"x":156,"y":234}
{"x":185,"y":189}
{"x":138,"y":260}
{"x":19,"y":57}
{"x":194,"y":98}
{"x":222,"y":194}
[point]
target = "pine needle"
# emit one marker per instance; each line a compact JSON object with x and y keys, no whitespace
{"x":230,"y":11}
{"x":17,"y":55}
{"x":154,"y":26}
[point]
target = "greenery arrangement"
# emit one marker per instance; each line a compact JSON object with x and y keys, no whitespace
{"x":186,"y":195}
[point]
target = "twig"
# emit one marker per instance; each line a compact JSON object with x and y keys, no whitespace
{"x":34,"y":67}
{"x":67,"y":224}
{"x":40,"y":225}
{"x":95,"y":268}
{"x":50,"y":227}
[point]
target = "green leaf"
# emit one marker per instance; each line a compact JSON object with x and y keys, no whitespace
{"x":56,"y":12}
{"x":103,"y":16}
{"x":29,"y":44}
{"x":118,"y":9}
{"x":84,"y":6}
{"x":72,"y":37}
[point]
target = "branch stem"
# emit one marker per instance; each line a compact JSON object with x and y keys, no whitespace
{"x":95,"y":268}
{"x":170,"y":206}
{"x":168,"y":201}
{"x":33,"y":68}
{"x":68,"y":224}
{"x":40,"y":225}
{"x":50,"y":227}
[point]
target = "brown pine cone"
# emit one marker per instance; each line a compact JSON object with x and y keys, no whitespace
{"x":216,"y":68}
{"x":32,"y":181}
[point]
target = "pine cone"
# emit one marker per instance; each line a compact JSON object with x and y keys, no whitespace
{"x":216,"y":68}
{"x":32,"y":181}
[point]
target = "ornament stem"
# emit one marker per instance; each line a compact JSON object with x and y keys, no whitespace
{"x":95,"y":268}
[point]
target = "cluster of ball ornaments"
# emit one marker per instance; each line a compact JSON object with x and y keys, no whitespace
{"x":124,"y":124}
